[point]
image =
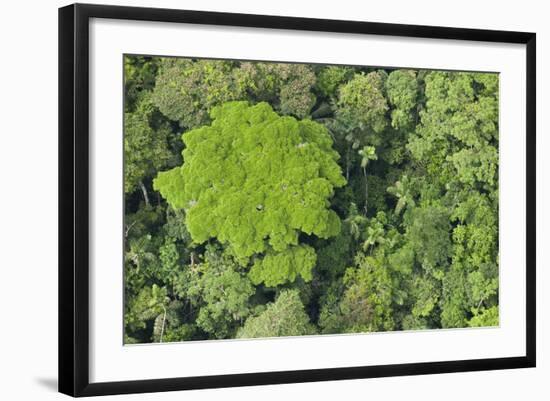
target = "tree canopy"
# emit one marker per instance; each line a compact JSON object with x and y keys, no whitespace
{"x":254,"y":181}
{"x":284,"y":317}
{"x":282,"y":199}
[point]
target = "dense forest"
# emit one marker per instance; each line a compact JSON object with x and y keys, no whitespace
{"x":275,"y":199}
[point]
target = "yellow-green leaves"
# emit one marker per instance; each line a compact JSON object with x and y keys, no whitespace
{"x":255,"y":180}
{"x":489,"y":317}
{"x":367,"y":154}
{"x":168,"y":183}
{"x":278,"y":268}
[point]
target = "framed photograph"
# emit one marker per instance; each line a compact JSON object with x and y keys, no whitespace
{"x":250,"y":199}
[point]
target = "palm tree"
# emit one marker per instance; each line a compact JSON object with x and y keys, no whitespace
{"x":375,"y":234}
{"x":367,"y":154}
{"x":402,"y":190}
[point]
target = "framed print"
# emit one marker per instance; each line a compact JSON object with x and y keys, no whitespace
{"x":249,"y":199}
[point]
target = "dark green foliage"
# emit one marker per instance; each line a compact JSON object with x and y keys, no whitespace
{"x":146,"y":143}
{"x":223,"y":290}
{"x":139,"y":76}
{"x":402,"y":91}
{"x":288,"y":87}
{"x":428,"y":233}
{"x":284,"y":317}
{"x":361,"y":103}
{"x":149,"y":304}
{"x":186,"y":90}
{"x":275,"y":199}
{"x":331,"y":77}
{"x":365,"y":304}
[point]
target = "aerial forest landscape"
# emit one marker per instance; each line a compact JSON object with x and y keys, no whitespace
{"x":266,"y":199}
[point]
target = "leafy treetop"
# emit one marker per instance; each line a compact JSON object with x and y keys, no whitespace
{"x":255,"y":180}
{"x":285,"y":317}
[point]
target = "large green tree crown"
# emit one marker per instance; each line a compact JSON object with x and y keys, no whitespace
{"x":255,"y":180}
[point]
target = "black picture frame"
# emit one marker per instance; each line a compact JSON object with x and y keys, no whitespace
{"x":74,"y":198}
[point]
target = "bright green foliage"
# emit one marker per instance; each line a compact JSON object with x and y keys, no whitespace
{"x":169,"y":184}
{"x":255,"y":180}
{"x":307,"y":199}
{"x":367,"y":153}
{"x":284,"y":317}
{"x":463,"y":146}
{"x":457,"y":144}
{"x":402,"y":91}
{"x":279,"y":267}
{"x":489,"y":317}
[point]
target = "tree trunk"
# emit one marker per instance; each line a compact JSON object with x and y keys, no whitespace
{"x":144,"y":191}
{"x":163,"y":323}
{"x":347,"y":163}
{"x":366,"y":189}
{"x":323,"y":110}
